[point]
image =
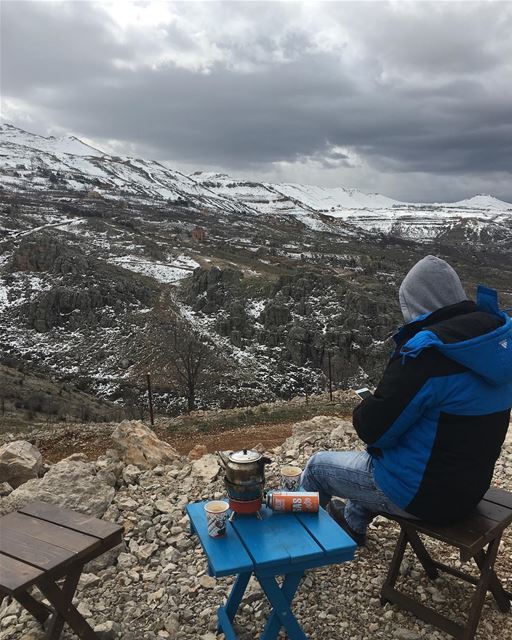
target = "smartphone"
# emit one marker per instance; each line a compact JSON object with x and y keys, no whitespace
{"x":363,"y":393}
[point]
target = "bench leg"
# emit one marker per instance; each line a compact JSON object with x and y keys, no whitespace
{"x":289,"y":588}
{"x":40,"y":611}
{"x":394,"y":567}
{"x":500,"y":595}
{"x":281,"y":606}
{"x":484,"y":584}
{"x":65,"y":611}
{"x":421,"y":553}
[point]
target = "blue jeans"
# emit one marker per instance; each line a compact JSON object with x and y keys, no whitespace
{"x":349,"y":474}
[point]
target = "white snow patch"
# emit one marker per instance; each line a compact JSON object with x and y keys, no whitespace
{"x":180,"y":268}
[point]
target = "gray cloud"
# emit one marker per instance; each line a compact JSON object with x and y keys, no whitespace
{"x":415,"y":99}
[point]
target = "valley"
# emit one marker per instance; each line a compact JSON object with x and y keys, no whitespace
{"x":112,"y":268}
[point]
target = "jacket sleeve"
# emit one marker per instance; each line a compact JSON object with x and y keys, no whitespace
{"x":405,"y":392}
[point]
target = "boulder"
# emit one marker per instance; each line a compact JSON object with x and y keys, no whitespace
{"x":70,"y":484}
{"x":136,"y":444}
{"x":206,"y":468}
{"x":197,"y":452}
{"x":19,"y":461}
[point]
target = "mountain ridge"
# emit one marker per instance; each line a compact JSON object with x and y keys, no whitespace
{"x":328,"y":200}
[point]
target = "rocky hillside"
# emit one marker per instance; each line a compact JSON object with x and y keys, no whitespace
{"x":156,"y":586}
{"x":111,"y":268}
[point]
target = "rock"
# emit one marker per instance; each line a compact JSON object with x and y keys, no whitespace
{"x":5,"y":489}
{"x":318,"y":423}
{"x":19,"y":461}
{"x":145,"y":551}
{"x":164,"y":506}
{"x":88,"y":580}
{"x":137,"y":445}
{"x":131,"y":474}
{"x":69,"y":484}
{"x":206,"y":468}
{"x":106,"y":559}
{"x":76,"y":457}
{"x":172,"y":625}
{"x":401,"y":633}
{"x":207,"y":582}
{"x":107,"y":630}
{"x":126,"y":560}
{"x":341,"y":431}
{"x":197,"y":452}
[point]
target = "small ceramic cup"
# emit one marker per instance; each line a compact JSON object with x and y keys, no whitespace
{"x":216,"y":518}
{"x":290,"y":478}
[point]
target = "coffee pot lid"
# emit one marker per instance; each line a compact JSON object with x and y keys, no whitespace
{"x":245,"y":455}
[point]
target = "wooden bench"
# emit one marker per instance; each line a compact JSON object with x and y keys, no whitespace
{"x":482,"y":529}
{"x":277,"y":544}
{"x":41,"y":544}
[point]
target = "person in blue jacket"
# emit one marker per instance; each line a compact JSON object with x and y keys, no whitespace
{"x":435,"y":425}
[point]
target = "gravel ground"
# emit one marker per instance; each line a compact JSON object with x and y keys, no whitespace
{"x":158,"y":587}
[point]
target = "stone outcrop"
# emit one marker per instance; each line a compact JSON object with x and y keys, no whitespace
{"x":197,"y":452}
{"x":19,"y":461}
{"x":71,"y":483}
{"x":138,"y":445}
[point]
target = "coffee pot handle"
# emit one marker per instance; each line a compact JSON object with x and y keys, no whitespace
{"x":223,"y":458}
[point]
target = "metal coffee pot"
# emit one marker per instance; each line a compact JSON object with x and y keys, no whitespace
{"x":245,"y":478}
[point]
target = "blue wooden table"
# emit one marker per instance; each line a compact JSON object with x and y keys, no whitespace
{"x":280,"y":544}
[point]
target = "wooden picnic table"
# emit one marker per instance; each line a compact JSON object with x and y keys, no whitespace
{"x":41,"y":544}
{"x":277,"y":544}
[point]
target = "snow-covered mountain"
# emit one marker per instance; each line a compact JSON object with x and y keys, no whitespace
{"x":32,"y":162}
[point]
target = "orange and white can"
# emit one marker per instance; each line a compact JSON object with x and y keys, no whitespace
{"x":293,"y":501}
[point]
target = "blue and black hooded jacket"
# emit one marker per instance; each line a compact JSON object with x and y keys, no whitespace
{"x":437,"y":421}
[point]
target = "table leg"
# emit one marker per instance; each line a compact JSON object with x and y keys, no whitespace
{"x":61,"y":600}
{"x":237,"y":593}
{"x":68,"y":591}
{"x":226,"y":613}
{"x":289,"y":588}
{"x":40,"y":611}
{"x":281,"y":607}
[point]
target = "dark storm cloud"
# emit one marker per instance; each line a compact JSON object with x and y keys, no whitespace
{"x":422,"y":89}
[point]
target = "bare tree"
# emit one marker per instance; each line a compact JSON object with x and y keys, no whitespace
{"x":180,"y":358}
{"x":192,"y":361}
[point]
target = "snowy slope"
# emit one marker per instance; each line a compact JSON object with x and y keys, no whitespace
{"x":327,"y":200}
{"x":32,"y":162}
{"x":12,"y":135}
{"x":483,"y":201}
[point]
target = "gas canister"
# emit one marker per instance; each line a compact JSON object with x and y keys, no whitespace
{"x":294,"y":501}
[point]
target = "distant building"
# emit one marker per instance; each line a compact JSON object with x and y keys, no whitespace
{"x":198,"y":234}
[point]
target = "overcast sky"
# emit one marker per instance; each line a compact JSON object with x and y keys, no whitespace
{"x":413,"y":100}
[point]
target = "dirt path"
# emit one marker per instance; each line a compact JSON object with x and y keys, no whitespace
{"x":269,"y":435}
{"x":96,"y":444}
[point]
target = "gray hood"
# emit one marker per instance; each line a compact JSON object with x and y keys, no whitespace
{"x":430,"y":285}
